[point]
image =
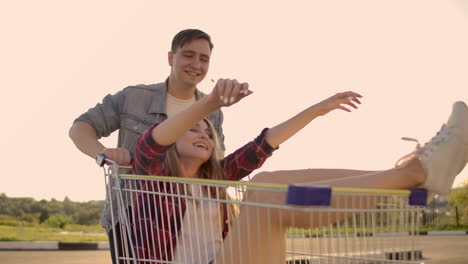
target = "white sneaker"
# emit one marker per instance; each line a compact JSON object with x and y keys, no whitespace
{"x":446,"y":154}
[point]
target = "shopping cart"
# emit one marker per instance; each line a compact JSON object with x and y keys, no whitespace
{"x":341,"y":226}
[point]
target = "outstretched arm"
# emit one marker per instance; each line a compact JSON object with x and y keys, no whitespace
{"x":282,"y":132}
{"x":226,"y":92}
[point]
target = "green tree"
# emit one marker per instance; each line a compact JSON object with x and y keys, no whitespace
{"x":30,"y":210}
{"x":55,"y":207}
{"x":69,"y":207}
{"x":58,"y":220}
{"x":5,"y":205}
{"x":86,"y":217}
{"x":458,"y":199}
{"x":43,"y":216}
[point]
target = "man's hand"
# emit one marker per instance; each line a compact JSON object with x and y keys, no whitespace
{"x":119,"y":155}
{"x":228,"y":92}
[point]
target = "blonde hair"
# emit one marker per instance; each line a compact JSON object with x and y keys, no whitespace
{"x":212,"y":169}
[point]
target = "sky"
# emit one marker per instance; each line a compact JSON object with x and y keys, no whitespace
{"x":409,"y":60}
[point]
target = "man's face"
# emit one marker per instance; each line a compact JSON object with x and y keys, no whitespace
{"x":190,"y":62}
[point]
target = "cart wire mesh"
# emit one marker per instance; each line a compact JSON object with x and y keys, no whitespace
{"x":183,"y":220}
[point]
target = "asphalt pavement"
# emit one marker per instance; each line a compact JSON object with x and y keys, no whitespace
{"x":440,"y":249}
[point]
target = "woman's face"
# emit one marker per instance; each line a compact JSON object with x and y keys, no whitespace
{"x":197,"y":143}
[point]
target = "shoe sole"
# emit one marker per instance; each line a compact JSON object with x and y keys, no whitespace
{"x":460,"y":109}
{"x":459,"y":115}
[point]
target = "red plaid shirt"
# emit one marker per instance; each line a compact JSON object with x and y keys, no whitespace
{"x":158,"y":218}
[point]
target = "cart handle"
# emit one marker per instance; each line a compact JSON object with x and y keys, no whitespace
{"x":102,"y":160}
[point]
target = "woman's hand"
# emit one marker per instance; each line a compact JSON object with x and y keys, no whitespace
{"x":228,"y":92}
{"x":338,"y":101}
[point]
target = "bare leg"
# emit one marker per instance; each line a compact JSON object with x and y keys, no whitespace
{"x":266,"y":241}
{"x":408,"y":176}
{"x":249,"y":242}
{"x":313,"y":175}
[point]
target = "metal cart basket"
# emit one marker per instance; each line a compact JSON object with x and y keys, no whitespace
{"x":165,"y":220}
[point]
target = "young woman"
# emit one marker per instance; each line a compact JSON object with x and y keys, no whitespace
{"x":186,"y":145}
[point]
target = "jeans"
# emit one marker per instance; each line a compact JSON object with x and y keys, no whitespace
{"x":120,"y":244}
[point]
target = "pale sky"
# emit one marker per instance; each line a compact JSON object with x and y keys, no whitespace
{"x":409,"y":59}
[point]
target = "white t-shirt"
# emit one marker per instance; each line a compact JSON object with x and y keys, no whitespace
{"x":200,"y":236}
{"x":175,"y":105}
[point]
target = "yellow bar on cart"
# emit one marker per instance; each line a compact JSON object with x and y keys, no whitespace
{"x":263,"y":185}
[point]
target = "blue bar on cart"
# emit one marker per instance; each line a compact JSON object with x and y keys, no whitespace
{"x":418,"y":197}
{"x":308,"y":195}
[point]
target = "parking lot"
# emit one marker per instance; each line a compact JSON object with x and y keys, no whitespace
{"x":435,"y":250}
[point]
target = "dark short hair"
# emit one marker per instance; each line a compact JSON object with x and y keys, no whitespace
{"x":188,"y":35}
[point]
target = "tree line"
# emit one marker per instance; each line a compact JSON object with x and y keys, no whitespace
{"x":15,"y":211}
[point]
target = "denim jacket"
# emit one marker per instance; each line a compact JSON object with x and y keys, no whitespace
{"x":132,"y":111}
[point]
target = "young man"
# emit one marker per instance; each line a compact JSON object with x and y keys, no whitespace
{"x":135,"y":108}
